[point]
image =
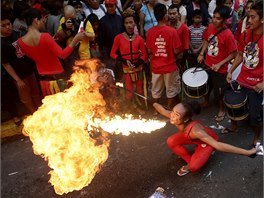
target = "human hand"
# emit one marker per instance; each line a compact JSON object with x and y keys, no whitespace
{"x":258,"y":87}
{"x":130,"y":65}
{"x":20,"y":83}
{"x":216,"y":67}
{"x":80,"y":36}
{"x":229,"y":77}
{"x":69,"y":25}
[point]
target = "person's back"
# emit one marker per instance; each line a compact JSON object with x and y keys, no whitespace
{"x":163,"y":46}
{"x":45,"y":47}
{"x":162,"y":40}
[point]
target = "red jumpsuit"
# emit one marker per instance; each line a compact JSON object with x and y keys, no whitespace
{"x":202,"y":150}
{"x":132,"y":50}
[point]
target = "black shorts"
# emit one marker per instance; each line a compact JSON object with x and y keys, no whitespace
{"x":217,"y":82}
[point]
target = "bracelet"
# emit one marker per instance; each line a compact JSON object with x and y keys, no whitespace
{"x":200,"y":54}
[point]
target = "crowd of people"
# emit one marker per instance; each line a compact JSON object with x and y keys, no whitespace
{"x":146,"y":44}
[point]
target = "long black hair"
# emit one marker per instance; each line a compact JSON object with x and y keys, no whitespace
{"x":31,"y":14}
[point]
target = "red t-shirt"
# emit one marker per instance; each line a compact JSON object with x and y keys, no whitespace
{"x":161,"y":41}
{"x":219,"y":47}
{"x":184,"y":35}
{"x":46,"y":54}
{"x":252,"y":66}
{"x":123,"y":45}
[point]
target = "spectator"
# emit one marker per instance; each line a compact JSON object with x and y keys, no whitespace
{"x":94,"y":6}
{"x":232,"y":21}
{"x":165,"y":2}
{"x":219,"y":42}
{"x":250,"y":79}
{"x":212,"y":5}
{"x":238,"y":6}
{"x":136,"y":6}
{"x":39,"y":46}
{"x":197,"y":4}
{"x":126,"y":4}
{"x":182,"y":10}
{"x":147,"y":18}
{"x":110,"y":26}
{"x":94,"y":44}
{"x":78,"y":6}
{"x":69,"y":26}
{"x":9,"y":97}
{"x":163,"y":45}
{"x":243,"y":23}
{"x":19,"y":24}
{"x":184,"y":36}
{"x":196,"y":38}
{"x":130,"y":49}
{"x":21,"y":69}
{"x":54,"y":9}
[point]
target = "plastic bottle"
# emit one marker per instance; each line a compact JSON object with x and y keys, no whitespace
{"x":159,"y":193}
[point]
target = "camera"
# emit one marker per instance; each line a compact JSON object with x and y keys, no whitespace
{"x":73,"y":21}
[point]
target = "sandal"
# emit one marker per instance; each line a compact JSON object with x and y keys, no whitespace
{"x":220,"y":118}
{"x":228,"y":130}
{"x":182,"y":171}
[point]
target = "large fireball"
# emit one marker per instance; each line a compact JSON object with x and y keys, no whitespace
{"x":59,"y":130}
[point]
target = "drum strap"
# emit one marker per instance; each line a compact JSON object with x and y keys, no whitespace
{"x":219,"y":31}
{"x":259,"y":37}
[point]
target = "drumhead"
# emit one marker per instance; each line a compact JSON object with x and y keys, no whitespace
{"x":234,"y":97}
{"x":196,"y":79}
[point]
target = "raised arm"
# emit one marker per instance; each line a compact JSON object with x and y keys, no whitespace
{"x":159,"y":108}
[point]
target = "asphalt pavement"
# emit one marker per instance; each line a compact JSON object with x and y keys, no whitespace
{"x":137,"y":165}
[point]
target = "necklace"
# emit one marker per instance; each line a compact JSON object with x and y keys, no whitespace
{"x":130,"y":36}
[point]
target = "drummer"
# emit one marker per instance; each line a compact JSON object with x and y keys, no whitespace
{"x":250,"y":79}
{"x":220,"y":48}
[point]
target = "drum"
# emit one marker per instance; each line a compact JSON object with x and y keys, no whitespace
{"x":195,"y":83}
{"x":236,"y":104}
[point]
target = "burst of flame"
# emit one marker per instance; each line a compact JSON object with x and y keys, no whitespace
{"x":119,"y":84}
{"x":59,"y":130}
{"x":125,"y":126}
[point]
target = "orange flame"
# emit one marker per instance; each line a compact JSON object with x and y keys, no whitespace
{"x":59,"y":130}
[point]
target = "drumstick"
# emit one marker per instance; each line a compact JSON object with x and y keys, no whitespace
{"x":145,"y":98}
{"x":195,"y":70}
